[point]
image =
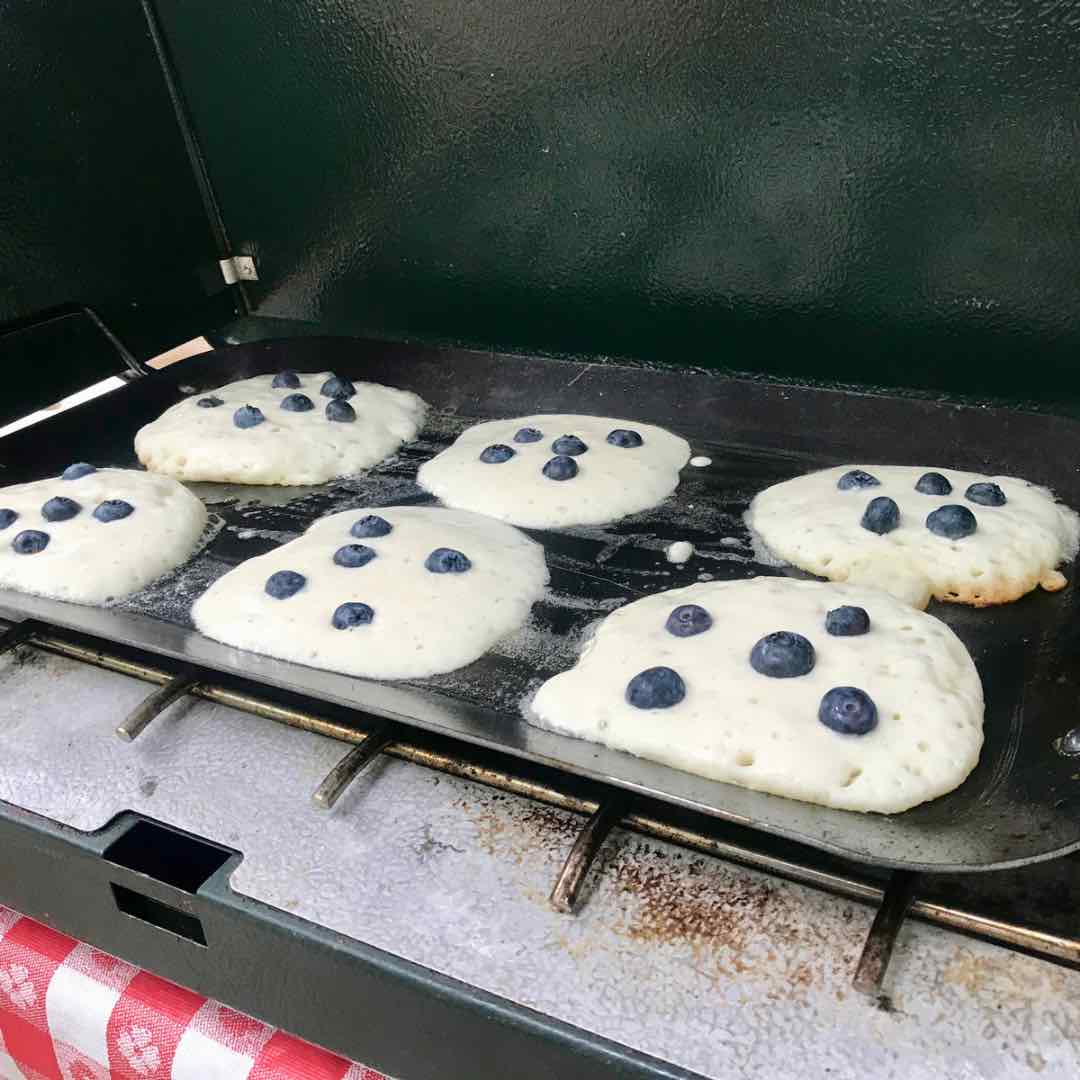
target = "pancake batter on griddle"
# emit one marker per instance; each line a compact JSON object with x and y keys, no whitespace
{"x":391,"y":593}
{"x":95,"y":535}
{"x":832,"y":694}
{"x":289,"y":428}
{"x":557,"y":470}
{"x":919,"y":532}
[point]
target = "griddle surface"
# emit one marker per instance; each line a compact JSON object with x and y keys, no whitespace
{"x":1021,"y":802}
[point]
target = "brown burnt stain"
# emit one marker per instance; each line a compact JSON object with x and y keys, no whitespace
{"x":1016,"y":993}
{"x":1006,"y":976}
{"x":687,"y":904}
{"x":552,"y":824}
{"x":510,"y":827}
{"x":735,"y":923}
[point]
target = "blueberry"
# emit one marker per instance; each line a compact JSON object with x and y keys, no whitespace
{"x":248,"y":416}
{"x":847,"y":621}
{"x":933,"y":483}
{"x":340,"y":410}
{"x":496,"y":454}
{"x":80,"y":468}
{"x":30,"y":542}
{"x":527,"y":435}
{"x":881,"y":516}
{"x":353,"y":555}
{"x":286,"y":380}
{"x":7,"y":516}
{"x":857,"y":479}
{"x":113,"y":510}
{"x":371,"y":525}
{"x":624,"y":437}
{"x":346,"y":616}
{"x":782,"y":655}
{"x":655,"y":688}
{"x":210,"y":402}
{"x":284,"y":583}
{"x":985,"y":495}
{"x":848,"y":710}
{"x":297,"y":403}
{"x":687,"y":620}
{"x":561,"y":468}
{"x":337,"y":387}
{"x":954,"y":522}
{"x":447,"y":561}
{"x":60,"y":509}
{"x":569,"y":444}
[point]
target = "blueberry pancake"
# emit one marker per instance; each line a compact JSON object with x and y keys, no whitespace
{"x":920,"y":532}
{"x":832,"y":694}
{"x":552,"y":471}
{"x":289,"y":428}
{"x":390,"y":593}
{"x":95,"y":535}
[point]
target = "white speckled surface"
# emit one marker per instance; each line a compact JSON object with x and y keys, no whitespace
{"x":708,"y":965}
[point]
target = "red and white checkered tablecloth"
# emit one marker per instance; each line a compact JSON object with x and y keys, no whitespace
{"x":69,"y":1012}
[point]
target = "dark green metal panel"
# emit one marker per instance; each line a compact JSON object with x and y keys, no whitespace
{"x":98,"y":204}
{"x":881,"y":192}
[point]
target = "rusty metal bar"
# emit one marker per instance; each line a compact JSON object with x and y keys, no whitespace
{"x":852,"y":888}
{"x":137,"y":720}
{"x":350,"y":767}
{"x":564,"y":896}
{"x":878,"y":950}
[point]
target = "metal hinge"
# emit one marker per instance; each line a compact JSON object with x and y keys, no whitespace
{"x":238,"y":268}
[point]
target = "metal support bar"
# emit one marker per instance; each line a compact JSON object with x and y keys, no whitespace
{"x":350,"y":767}
{"x":139,"y":717}
{"x":874,"y":962}
{"x":564,"y":896}
{"x":135,"y":365}
{"x":196,"y":158}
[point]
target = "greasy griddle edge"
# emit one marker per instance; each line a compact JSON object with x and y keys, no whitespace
{"x":1019,"y":806}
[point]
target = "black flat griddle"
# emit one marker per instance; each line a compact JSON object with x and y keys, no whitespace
{"x":1022,"y":802}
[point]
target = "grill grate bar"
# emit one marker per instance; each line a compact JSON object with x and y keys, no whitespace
{"x":137,"y":721}
{"x":459,"y":764}
{"x":878,"y":950}
{"x":350,"y":767}
{"x":564,"y":896}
